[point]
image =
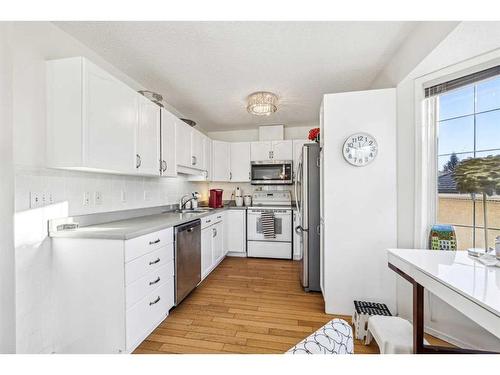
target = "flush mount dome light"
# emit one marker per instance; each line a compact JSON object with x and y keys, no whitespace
{"x":262,"y":103}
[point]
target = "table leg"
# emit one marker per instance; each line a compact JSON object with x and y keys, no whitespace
{"x":418,"y":318}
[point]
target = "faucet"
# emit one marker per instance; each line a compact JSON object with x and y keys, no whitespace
{"x":182,"y":203}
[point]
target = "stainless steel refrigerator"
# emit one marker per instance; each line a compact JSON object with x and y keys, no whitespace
{"x":307,"y":197}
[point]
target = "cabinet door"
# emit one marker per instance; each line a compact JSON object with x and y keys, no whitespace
{"x":217,"y":242}
{"x":240,"y":162}
{"x":236,"y":239}
{"x":282,"y":150}
{"x":221,"y":164}
{"x":168,"y":147}
{"x":148,"y":138}
{"x":260,"y":151}
{"x":197,"y":159}
{"x":206,"y":251}
{"x":207,"y":157}
{"x":111,"y":116}
{"x":183,"y":144}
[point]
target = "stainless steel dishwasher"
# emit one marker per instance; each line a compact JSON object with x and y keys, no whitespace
{"x":187,"y":258}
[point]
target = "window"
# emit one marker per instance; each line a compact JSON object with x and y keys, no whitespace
{"x":468,"y":126}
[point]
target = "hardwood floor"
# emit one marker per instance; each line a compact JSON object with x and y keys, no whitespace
{"x":246,"y":305}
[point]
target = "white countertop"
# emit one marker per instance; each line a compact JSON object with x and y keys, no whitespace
{"x":135,"y":227}
{"x":456,"y":270}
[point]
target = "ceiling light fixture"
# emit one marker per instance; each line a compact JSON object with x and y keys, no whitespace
{"x":262,"y":103}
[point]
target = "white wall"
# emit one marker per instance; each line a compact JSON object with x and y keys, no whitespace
{"x":247,"y":135}
{"x":468,"y":40}
{"x":359,"y":202}
{"x":34,"y":43}
{"x":7,"y":266}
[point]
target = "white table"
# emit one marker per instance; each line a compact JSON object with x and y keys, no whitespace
{"x":459,"y":280}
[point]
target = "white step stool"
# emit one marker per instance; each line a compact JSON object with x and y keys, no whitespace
{"x":394,"y":335}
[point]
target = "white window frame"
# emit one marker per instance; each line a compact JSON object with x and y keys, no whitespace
{"x":426,"y":196}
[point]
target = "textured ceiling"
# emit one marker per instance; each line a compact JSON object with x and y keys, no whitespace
{"x":206,"y":69}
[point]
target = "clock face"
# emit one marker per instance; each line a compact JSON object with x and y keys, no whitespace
{"x":360,"y":149}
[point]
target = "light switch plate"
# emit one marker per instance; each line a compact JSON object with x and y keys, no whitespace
{"x":123,"y":196}
{"x":147,"y":195}
{"x":86,"y":199}
{"x":35,"y":200}
{"x":98,"y":198}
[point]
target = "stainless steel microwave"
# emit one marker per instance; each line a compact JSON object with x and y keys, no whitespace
{"x":272,"y":172}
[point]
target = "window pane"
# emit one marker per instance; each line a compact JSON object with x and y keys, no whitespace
{"x":488,"y":95}
{"x":464,"y":238}
{"x":455,"y":209}
{"x":491,"y":238}
{"x":456,"y":135}
{"x":446,"y":163}
{"x":492,"y":211}
{"x":488,"y":130}
{"x":456,"y":103}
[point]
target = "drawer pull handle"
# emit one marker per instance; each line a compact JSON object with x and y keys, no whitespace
{"x":153,"y":242}
{"x":209,"y":221}
{"x":154,"y":262}
{"x":155,"y":282}
{"x":155,"y":301}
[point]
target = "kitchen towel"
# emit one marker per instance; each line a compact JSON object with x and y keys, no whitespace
{"x":267,"y":219}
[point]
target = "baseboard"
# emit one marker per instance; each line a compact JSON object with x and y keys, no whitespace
{"x":236,"y":254}
{"x":452,"y":340}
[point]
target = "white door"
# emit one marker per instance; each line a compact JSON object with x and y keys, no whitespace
{"x":282,"y":150}
{"x":148,"y":138}
{"x":206,"y":251}
{"x":207,"y":157}
{"x":111,"y":113}
{"x":168,"y":164}
{"x":236,"y":231}
{"x":260,"y":151}
{"x":197,"y":159}
{"x":240,"y":162}
{"x":221,"y":164}
{"x":217,"y":242}
{"x":183,"y":144}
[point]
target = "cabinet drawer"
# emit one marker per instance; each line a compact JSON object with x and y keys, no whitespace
{"x":139,"y":267}
{"x":149,"y":282}
{"x":145,"y":315}
{"x":207,"y":221}
{"x":136,"y":247}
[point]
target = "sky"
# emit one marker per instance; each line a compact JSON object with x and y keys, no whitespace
{"x":469,"y":120}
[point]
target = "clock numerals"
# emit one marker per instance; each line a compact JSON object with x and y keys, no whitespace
{"x":360,"y":149}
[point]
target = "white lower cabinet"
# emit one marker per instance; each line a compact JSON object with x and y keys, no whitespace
{"x":111,"y":294}
{"x":236,"y":229}
{"x":212,"y":242}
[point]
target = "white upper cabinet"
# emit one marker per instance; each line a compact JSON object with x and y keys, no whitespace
{"x":197,"y":155}
{"x":267,"y":150}
{"x":183,"y":144}
{"x":282,"y":150}
{"x":261,"y":151}
{"x":221,"y":165}
{"x":240,"y":162}
{"x":91,"y":118}
{"x":207,"y":157}
{"x":168,"y":147}
{"x":148,"y":138}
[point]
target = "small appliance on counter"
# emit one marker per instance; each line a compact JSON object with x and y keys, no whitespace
{"x":215,"y":198}
{"x":247,"y":199}
{"x":238,"y":198}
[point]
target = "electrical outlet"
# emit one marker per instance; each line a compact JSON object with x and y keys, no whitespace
{"x":123,"y":196}
{"x":43,"y":199}
{"x":35,"y":199}
{"x":98,"y":198}
{"x":49,"y":198}
{"x":147,"y":195}
{"x":86,"y":199}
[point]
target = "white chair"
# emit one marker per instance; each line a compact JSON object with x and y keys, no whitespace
{"x":335,"y":337}
{"x":394,"y":335}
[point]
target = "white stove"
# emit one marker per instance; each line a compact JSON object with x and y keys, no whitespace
{"x":272,"y":198}
{"x":269,"y":225}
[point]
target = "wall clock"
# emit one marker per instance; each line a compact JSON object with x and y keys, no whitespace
{"x":360,"y":149}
